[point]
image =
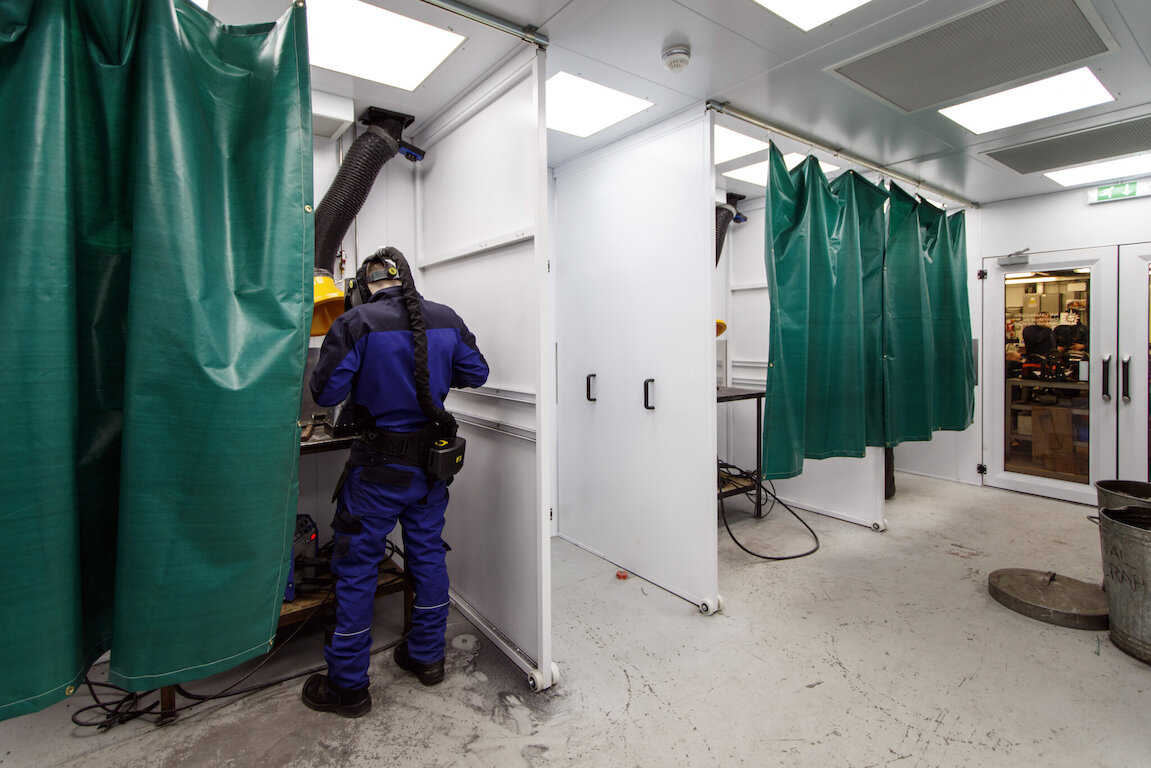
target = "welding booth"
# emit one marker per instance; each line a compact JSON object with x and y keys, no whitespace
{"x":599,"y":422}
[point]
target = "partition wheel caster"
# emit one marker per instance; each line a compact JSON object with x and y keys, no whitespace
{"x":708,"y":607}
{"x":882,"y":526}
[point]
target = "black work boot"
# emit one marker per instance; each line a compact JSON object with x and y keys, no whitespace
{"x":429,"y":674}
{"x":322,"y":695}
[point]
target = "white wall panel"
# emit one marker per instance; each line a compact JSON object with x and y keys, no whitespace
{"x":495,"y":293}
{"x":490,"y":191}
{"x":480,"y":248}
{"x":493,"y":565}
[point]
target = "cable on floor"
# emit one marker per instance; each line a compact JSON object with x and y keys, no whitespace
{"x":129,"y":706}
{"x":758,"y":487}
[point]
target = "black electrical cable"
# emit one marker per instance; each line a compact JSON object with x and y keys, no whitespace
{"x":759,"y":487}
{"x":126,"y":708}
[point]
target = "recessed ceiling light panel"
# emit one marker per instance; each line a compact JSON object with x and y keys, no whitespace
{"x":756,"y":173}
{"x":580,"y":107}
{"x":368,"y":42}
{"x":792,"y":159}
{"x":1056,"y":95}
{"x":1108,"y":170}
{"x":729,"y":144}
{"x":809,"y":14}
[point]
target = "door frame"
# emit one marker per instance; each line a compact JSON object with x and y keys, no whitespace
{"x":1103,"y":260}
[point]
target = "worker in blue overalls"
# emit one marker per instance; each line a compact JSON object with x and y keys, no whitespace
{"x":397,"y":355}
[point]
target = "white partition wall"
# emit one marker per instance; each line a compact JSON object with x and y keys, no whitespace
{"x":635,"y":234}
{"x":847,"y":489}
{"x":480,"y":248}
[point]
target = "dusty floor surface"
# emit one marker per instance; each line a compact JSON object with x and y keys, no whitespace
{"x":882,"y":649}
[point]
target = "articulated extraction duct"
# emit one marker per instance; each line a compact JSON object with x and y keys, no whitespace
{"x":367,"y":155}
{"x":724,"y":215}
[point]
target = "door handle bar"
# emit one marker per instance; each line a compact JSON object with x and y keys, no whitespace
{"x":590,"y":399}
{"x":647,"y":394}
{"x":1125,"y":378}
{"x":1106,"y":360}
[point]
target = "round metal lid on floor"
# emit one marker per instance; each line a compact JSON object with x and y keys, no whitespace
{"x":1050,"y":597}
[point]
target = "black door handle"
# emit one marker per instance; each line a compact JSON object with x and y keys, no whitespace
{"x":1106,"y":377}
{"x":647,"y":394}
{"x":1125,"y":378}
{"x":590,"y":376}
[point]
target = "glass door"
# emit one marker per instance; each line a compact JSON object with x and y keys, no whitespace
{"x":1131,"y":399}
{"x":1050,"y":425}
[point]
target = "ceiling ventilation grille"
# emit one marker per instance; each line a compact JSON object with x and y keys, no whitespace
{"x":1008,"y":41}
{"x":1076,"y":148}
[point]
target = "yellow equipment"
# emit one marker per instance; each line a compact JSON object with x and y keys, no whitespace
{"x":327,"y":302}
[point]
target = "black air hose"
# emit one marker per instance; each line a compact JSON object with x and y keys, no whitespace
{"x":348,"y":192}
{"x":435,"y":413}
{"x":723,"y":217}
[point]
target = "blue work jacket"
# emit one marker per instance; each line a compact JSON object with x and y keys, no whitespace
{"x":368,"y":353}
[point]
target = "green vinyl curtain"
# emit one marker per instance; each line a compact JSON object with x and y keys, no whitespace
{"x":157,"y":244}
{"x":824,"y":378}
{"x":870,"y":328}
{"x":909,"y":343}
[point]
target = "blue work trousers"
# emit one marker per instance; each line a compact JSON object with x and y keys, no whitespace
{"x":369,"y":505}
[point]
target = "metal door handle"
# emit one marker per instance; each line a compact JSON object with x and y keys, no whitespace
{"x":647,"y":394}
{"x":1125,"y":378}
{"x":1106,"y":377}
{"x":590,"y":376}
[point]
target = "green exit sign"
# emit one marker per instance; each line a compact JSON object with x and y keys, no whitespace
{"x":1119,"y":191}
{"x":1116,"y":191}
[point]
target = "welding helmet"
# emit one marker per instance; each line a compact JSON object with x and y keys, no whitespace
{"x":327,"y":302}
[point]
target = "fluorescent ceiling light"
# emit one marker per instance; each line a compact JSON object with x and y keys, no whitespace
{"x":731,"y":144}
{"x":370,"y":43}
{"x":793,"y":159}
{"x":756,"y":173}
{"x":1084,"y":270}
{"x":1108,"y":170}
{"x":1018,"y":275}
{"x":1030,"y":280}
{"x":809,"y":14}
{"x":580,"y":107}
{"x":1068,"y":92}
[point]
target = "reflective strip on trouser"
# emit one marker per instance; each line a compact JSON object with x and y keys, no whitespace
{"x":355,"y":563}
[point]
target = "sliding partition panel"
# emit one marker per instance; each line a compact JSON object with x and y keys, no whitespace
{"x":481,"y":216}
{"x":1133,"y":395}
{"x":637,"y":398}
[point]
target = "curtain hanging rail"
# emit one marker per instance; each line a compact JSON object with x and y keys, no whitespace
{"x":527,"y":34}
{"x":727,"y":109}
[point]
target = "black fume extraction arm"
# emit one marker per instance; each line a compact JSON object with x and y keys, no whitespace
{"x":379,"y":143}
{"x":725,"y":214}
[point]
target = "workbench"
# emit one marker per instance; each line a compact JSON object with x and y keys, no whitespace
{"x":730,"y":485}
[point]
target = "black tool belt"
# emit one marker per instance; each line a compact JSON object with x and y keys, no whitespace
{"x":400,"y":447}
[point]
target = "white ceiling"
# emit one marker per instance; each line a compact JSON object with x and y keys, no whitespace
{"x":760,"y":64}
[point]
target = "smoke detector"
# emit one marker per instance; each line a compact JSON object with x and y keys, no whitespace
{"x":676,"y":57}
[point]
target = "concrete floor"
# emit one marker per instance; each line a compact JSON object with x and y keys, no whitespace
{"x":881,"y":649}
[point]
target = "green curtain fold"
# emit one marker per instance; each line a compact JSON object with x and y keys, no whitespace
{"x":158,"y":252}
{"x":820,"y":371}
{"x":870,"y":327}
{"x":909,"y":357}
